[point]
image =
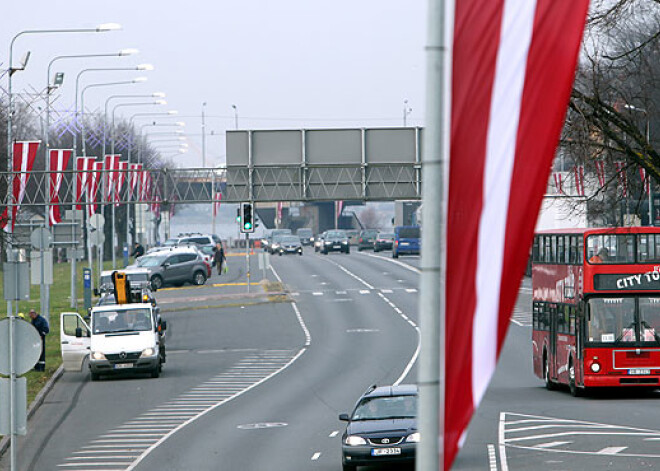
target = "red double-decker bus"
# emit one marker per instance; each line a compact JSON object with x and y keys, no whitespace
{"x":596,"y":307}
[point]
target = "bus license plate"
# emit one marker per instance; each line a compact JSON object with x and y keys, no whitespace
{"x":385,"y":451}
{"x":120,"y":366}
{"x":639,"y":371}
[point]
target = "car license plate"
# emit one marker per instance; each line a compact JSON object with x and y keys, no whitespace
{"x":385,"y":451}
{"x":405,"y":243}
{"x":120,"y":366}
{"x":639,"y":371}
{"x":337,"y":246}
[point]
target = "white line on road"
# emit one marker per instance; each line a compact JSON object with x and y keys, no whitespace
{"x":364,"y":291}
{"x":401,"y":264}
{"x":611,"y":450}
{"x":551,"y":444}
{"x":334,"y":434}
{"x":492,"y":459}
{"x":316,"y":456}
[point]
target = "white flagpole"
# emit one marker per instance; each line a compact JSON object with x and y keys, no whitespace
{"x":431,"y":377}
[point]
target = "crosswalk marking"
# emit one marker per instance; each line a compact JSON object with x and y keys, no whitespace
{"x":611,"y":450}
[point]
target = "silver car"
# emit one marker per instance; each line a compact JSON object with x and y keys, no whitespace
{"x":288,"y":244}
{"x":175,"y":267}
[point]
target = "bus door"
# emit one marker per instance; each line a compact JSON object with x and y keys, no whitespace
{"x":552,"y":355}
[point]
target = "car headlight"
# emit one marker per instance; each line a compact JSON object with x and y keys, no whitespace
{"x":98,"y":356}
{"x":276,"y":246}
{"x":148,"y":352}
{"x":413,"y":438}
{"x":344,"y":242}
{"x":354,"y":440}
{"x":595,"y":367}
{"x":327,"y":242}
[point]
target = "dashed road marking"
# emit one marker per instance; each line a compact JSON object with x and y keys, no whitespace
{"x":316,"y":456}
{"x":334,"y":434}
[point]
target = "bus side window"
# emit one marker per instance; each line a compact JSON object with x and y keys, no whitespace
{"x":535,"y":316}
{"x":560,"y":249}
{"x":535,"y":250}
{"x":571,"y":321}
{"x":580,"y":249}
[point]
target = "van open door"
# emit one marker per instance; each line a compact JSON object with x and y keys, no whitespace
{"x":75,"y":340}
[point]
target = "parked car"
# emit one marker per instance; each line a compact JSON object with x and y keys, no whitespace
{"x":406,"y":241}
{"x":289,"y":244}
{"x":367,"y":239}
{"x":335,"y":241}
{"x":384,"y":241}
{"x":175,"y":267}
{"x":382,"y":429}
{"x":306,"y":235}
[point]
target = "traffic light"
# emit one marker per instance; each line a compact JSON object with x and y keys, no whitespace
{"x":247,"y":218}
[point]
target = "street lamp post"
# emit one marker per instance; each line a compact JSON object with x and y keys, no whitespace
{"x":112,"y":151}
{"x":10,"y":312}
{"x":648,"y":141}
{"x":235,"y":116}
{"x":49,"y":88}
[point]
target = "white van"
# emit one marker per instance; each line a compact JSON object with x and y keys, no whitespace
{"x":121,"y":338}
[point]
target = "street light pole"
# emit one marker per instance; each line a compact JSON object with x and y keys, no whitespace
{"x":235,"y":116}
{"x":10,"y":313}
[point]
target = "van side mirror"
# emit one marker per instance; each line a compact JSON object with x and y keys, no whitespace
{"x":79,"y":332}
{"x":344,"y":417}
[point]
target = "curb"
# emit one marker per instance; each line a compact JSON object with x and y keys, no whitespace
{"x":38,"y":400}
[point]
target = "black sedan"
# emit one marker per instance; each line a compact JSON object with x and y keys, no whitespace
{"x":382,"y":428}
{"x":335,"y":241}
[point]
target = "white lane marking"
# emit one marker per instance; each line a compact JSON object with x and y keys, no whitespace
{"x":324,"y":283}
{"x":340,"y":292}
{"x":551,"y":444}
{"x":364,"y":291}
{"x":386,"y":291}
{"x":334,"y":434}
{"x":611,"y":450}
{"x":411,"y":290}
{"x":500,"y":441}
{"x":492,"y":459}
{"x":317,"y":293}
{"x":349,"y":273}
{"x":401,"y":264}
{"x":316,"y":456}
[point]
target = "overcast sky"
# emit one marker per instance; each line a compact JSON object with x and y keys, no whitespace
{"x":284,"y":64}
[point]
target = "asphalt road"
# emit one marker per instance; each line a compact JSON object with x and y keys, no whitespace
{"x":259,"y":387}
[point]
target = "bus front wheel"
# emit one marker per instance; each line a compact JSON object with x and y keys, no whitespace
{"x":549,"y":384}
{"x":575,"y":391}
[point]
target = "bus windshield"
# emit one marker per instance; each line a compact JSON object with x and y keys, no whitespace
{"x":624,"y":321}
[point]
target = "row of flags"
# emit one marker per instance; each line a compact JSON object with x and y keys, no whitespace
{"x":577,"y":174}
{"x":88,"y":178}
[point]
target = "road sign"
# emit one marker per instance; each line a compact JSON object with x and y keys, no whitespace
{"x":41,"y":238}
{"x":20,"y":406}
{"x":35,"y":268}
{"x":97,"y":237}
{"x":16,"y":281}
{"x":97,"y":221}
{"x":27,"y":346}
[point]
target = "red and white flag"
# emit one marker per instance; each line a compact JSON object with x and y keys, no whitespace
{"x":339,"y":207}
{"x":59,"y":160}
{"x":512,"y":73}
{"x":84,"y":165}
{"x":120,"y":180}
{"x":623,"y":177}
{"x":600,"y":172}
{"x":559,"y":183}
{"x":578,"y":170}
{"x":216,"y":203}
{"x":134,"y":177}
{"x":111,"y":174}
{"x":279,"y":212}
{"x":24,"y":155}
{"x":645,"y":179}
{"x":93,"y":184}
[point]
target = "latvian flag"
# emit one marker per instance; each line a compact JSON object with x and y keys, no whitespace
{"x":84,"y":168}
{"x":59,"y":159}
{"x":24,"y":155}
{"x":111,"y":174}
{"x":216,"y":203}
{"x":513,"y":66}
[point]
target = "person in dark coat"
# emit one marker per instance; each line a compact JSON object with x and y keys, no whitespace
{"x":138,"y":250}
{"x":41,"y":325}
{"x":219,"y":257}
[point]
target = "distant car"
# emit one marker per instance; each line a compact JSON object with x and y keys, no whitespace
{"x":268,"y":242}
{"x":384,"y":241}
{"x":192,"y":238}
{"x":289,"y":244}
{"x":382,"y":429}
{"x":406,"y":241}
{"x":335,"y":241}
{"x":367,"y":239}
{"x":306,"y":235}
{"x":175,"y":267}
{"x":318,"y":241}
{"x":353,"y":236}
